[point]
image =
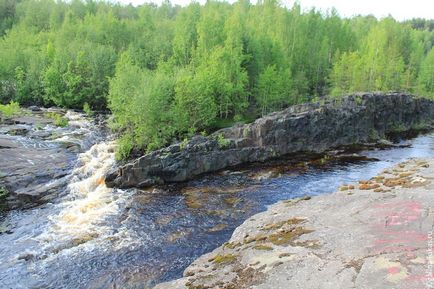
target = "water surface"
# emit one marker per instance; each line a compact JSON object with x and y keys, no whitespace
{"x":96,"y":237}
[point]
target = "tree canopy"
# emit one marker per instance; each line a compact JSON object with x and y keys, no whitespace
{"x":166,"y":71}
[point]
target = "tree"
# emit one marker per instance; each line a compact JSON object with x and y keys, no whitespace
{"x":270,"y":90}
{"x":426,"y":75}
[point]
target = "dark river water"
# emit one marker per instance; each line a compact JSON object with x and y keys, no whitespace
{"x":95,"y":237}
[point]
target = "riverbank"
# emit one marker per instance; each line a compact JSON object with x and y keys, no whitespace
{"x":312,"y":127}
{"x":373,"y":234}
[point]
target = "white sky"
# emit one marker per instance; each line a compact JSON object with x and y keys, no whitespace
{"x":399,"y":9}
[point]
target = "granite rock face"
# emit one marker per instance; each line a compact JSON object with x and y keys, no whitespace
{"x":36,"y":156}
{"x":373,"y":234}
{"x":312,"y":127}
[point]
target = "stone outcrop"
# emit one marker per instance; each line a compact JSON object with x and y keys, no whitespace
{"x":312,"y":127}
{"x":377,"y":233}
{"x":36,"y":156}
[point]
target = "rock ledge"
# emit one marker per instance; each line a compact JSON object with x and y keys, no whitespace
{"x":312,"y":127}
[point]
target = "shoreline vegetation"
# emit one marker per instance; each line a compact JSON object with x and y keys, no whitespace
{"x":356,"y":119}
{"x":169,"y":72}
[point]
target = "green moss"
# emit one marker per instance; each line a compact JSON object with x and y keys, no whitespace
{"x":278,"y":225}
{"x":288,"y":236}
{"x":231,"y":245}
{"x":257,"y":238}
{"x":263,"y":247}
{"x":232,"y":201}
{"x":224,"y":259}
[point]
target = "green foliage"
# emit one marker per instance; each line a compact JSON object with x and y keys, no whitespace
{"x":147,"y":115}
{"x":3,"y":193}
{"x":183,"y":144}
{"x":271,"y":91}
{"x":167,"y":72}
{"x":58,"y":119}
{"x":10,"y":110}
{"x":398,"y":128}
{"x":426,"y":76}
{"x":373,"y":135}
{"x":87,"y":110}
{"x":222,"y":141}
{"x":125,"y":146}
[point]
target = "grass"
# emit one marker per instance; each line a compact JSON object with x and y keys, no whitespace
{"x":10,"y":110}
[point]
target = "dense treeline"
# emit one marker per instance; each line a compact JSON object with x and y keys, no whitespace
{"x":167,"y":71}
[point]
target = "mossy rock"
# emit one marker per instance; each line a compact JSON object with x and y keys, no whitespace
{"x":263,"y":247}
{"x":223,"y":259}
{"x":287,"y":237}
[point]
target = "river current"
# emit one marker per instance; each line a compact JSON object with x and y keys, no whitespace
{"x":91,"y":236}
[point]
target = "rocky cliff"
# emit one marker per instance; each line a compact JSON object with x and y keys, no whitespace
{"x":312,"y":127}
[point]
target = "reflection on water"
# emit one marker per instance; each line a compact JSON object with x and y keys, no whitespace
{"x":95,"y":237}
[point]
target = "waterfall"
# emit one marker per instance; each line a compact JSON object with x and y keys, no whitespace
{"x":85,"y":211}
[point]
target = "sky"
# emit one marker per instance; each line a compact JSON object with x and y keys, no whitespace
{"x":399,"y":9}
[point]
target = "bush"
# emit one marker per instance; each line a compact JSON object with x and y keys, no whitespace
{"x":87,"y":110}
{"x":222,"y":141}
{"x":125,"y":146}
{"x":11,"y":109}
{"x":59,"y":120}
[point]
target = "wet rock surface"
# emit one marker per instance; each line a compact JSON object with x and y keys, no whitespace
{"x":314,"y":127}
{"x":36,"y":155}
{"x":376,"y":233}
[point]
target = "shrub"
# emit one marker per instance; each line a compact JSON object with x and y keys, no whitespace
{"x":125,"y":146}
{"x":222,"y":141}
{"x":59,"y":120}
{"x":11,"y":109}
{"x":87,"y":110}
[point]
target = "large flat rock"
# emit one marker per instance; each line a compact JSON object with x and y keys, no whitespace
{"x":374,"y":234}
{"x":36,"y":156}
{"x":28,"y":172}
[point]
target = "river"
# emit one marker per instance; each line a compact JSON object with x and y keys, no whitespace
{"x":91,"y":236}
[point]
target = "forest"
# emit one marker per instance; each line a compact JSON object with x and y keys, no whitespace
{"x":167,"y":72}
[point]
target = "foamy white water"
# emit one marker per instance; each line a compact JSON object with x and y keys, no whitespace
{"x":83,"y":216}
